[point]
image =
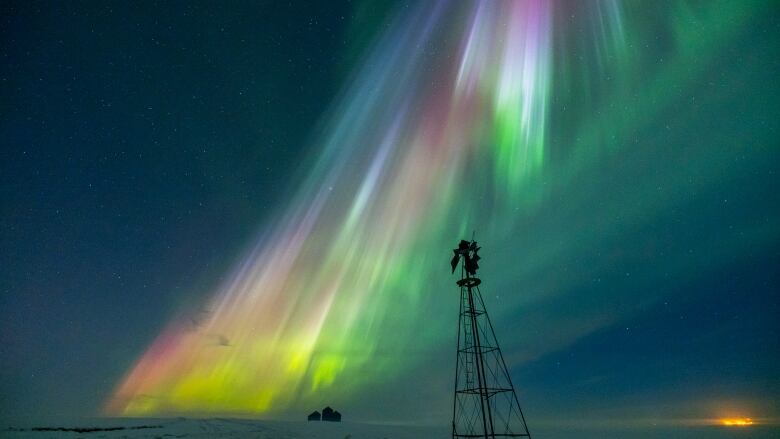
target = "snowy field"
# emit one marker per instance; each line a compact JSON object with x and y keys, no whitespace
{"x":243,"y":428}
{"x":218,"y":428}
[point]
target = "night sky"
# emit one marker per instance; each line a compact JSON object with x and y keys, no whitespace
{"x":248,"y":209}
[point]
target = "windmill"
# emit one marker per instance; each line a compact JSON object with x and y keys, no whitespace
{"x":485,"y":403}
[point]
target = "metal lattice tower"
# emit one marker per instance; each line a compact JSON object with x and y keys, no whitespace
{"x":485,"y":403}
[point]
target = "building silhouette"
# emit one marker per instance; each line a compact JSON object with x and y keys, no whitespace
{"x":328,"y":414}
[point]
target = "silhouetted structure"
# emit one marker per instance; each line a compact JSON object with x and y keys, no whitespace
{"x":328,"y":414}
{"x":485,"y":403}
{"x":314,"y":416}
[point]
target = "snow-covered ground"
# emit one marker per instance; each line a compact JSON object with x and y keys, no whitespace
{"x":219,"y":428}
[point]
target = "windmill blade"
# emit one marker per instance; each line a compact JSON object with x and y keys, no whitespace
{"x":454,"y":261}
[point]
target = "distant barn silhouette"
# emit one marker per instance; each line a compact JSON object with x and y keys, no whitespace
{"x":314,"y":416}
{"x":328,"y":414}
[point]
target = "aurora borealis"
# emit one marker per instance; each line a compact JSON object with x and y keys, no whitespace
{"x":313,"y":301}
{"x":616,"y":160}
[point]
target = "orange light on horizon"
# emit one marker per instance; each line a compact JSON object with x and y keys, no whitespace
{"x":736,"y":422}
